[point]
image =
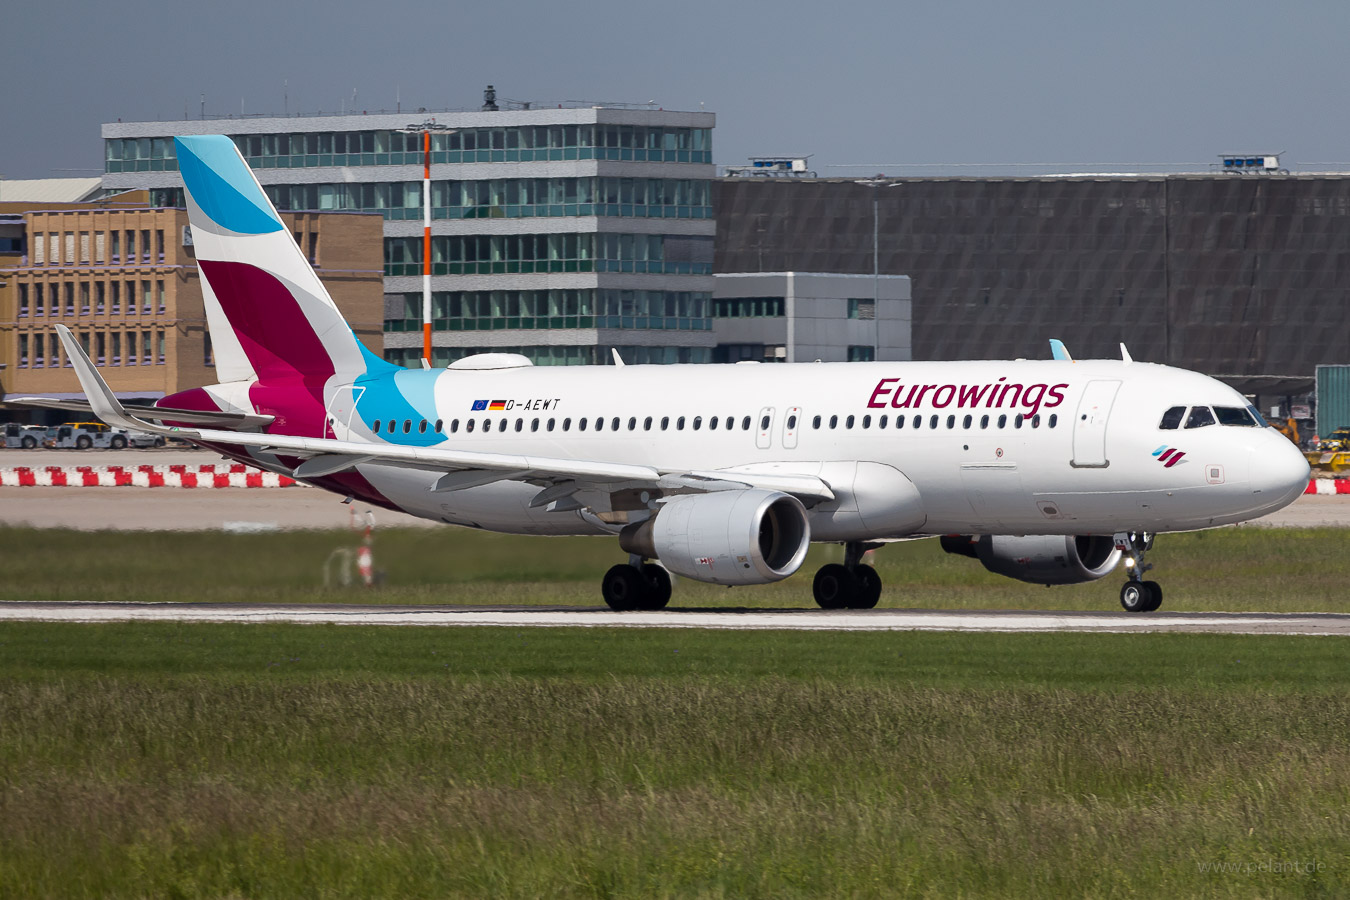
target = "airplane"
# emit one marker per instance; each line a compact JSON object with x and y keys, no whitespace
{"x":1047,"y":471}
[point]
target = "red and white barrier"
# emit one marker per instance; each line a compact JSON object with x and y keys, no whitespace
{"x":1328,"y":486}
{"x":207,"y":476}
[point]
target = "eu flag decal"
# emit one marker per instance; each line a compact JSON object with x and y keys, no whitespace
{"x":479,"y":406}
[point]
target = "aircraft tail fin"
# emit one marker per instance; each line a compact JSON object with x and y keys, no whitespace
{"x":270,"y":316}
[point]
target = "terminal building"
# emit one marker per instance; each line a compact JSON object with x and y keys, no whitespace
{"x":1241,"y":276}
{"x":557,"y":233}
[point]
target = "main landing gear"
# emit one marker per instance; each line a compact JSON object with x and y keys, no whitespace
{"x":636,"y":585}
{"x":853,"y":585}
{"x":1138,"y":595}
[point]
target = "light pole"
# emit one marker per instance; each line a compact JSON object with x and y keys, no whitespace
{"x":875,"y":183}
{"x":425,"y":129}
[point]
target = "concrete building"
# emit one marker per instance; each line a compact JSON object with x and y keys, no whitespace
{"x":1242,"y":277}
{"x":804,"y":316}
{"x":557,"y":233}
{"x":122,"y":276}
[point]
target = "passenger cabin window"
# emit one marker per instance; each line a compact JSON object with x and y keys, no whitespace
{"x":440,"y":425}
{"x":1171,"y":419}
{"x":1200,"y":417}
{"x":375,"y":427}
{"x":745,"y":424}
{"x":815,"y":423}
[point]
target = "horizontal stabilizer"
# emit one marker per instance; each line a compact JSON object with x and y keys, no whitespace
{"x":219,"y":418}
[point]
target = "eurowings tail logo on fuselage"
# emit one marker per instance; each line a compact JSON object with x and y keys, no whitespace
{"x":1168,"y":456}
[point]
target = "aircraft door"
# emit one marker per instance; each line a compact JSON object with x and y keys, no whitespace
{"x":341,"y":408}
{"x":791,"y":425}
{"x":764,"y":424}
{"x":1089,"y":425}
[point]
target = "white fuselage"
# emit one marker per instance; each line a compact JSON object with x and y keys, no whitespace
{"x":1083,"y":458}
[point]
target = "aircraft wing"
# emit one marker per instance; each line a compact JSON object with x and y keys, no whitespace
{"x":463,"y":468}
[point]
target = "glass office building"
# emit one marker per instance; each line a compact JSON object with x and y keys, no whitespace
{"x":556,"y":233}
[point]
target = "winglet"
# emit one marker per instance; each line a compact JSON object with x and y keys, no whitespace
{"x":101,"y":398}
{"x":1058,"y":350}
{"x":618,"y":360}
{"x":1125,"y":354}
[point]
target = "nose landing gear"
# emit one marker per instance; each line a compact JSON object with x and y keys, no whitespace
{"x":854,"y":585}
{"x":1138,"y":595}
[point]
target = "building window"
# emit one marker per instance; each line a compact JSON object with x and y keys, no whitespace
{"x":70,"y":298}
{"x":209,"y":360}
{"x":159,"y":244}
{"x":131,"y":298}
{"x":84,"y":247}
{"x":145,"y":245}
{"x":39,"y":249}
{"x":116,"y":288}
{"x":39,"y":303}
{"x":131,"y":247}
{"x":132,"y":359}
{"x":160,"y":342}
{"x":748,"y":307}
{"x":100,"y":289}
{"x":100,"y":246}
{"x":23,"y":300}
{"x":116,"y":238}
{"x":23,"y":351}
{"x":70,"y":247}
{"x":159,"y":290}
{"x":146,"y":358}
{"x":100,"y":348}
{"x":39,"y":356}
{"x":860,"y":353}
{"x":116,"y":348}
{"x":84,"y":298}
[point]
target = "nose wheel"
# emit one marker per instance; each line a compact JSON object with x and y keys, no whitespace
{"x":1138,"y":595}
{"x":853,"y":585}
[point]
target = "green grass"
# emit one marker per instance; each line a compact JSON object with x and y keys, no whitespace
{"x":162,"y":760}
{"x":1239,"y":569}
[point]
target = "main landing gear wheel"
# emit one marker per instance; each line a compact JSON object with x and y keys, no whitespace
{"x":623,"y":587}
{"x":1138,"y":595}
{"x":869,"y":587}
{"x":852,"y":585}
{"x":834,"y":586}
{"x":627,"y":587}
{"x":658,"y":586}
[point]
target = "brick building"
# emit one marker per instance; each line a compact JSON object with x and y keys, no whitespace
{"x":124,"y":279}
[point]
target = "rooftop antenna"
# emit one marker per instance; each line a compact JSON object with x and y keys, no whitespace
{"x":203,"y":104}
{"x":490,"y":99}
{"x":285,"y":96}
{"x":398,"y":99}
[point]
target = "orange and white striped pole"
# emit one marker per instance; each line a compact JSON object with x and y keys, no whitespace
{"x":426,"y":249}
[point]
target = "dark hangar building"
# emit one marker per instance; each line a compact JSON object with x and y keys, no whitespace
{"x":1246,"y":276}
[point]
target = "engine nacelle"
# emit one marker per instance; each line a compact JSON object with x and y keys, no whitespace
{"x":728,"y":537}
{"x":1040,"y":558}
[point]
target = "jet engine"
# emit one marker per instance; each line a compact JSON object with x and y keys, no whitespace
{"x":727,"y":537}
{"x":1039,"y":558}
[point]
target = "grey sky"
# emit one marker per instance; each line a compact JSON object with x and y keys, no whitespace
{"x":1094,"y":85}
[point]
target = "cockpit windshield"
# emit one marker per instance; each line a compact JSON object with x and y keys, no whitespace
{"x":1202,"y":416}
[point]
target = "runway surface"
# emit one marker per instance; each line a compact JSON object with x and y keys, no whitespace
{"x":732,"y":619}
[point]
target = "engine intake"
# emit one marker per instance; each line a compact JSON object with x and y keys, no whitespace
{"x":1039,"y":558}
{"x":728,"y":537}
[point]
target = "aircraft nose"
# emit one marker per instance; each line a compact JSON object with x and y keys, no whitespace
{"x":1279,"y":472}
